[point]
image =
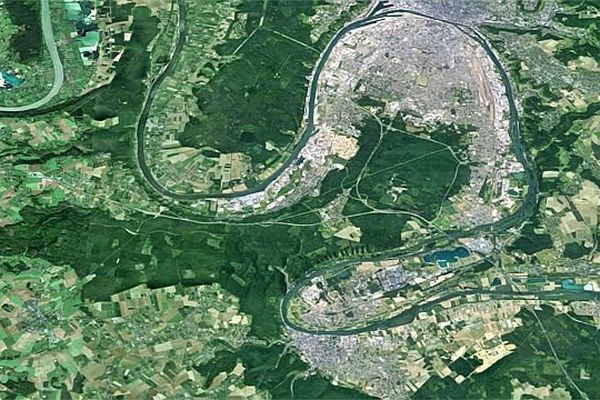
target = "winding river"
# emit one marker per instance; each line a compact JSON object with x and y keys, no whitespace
{"x":379,"y":12}
{"x":524,"y":212}
{"x":59,"y":75}
{"x":372,"y":17}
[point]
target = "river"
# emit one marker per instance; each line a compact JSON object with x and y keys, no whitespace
{"x":59,"y":75}
{"x":524,"y":212}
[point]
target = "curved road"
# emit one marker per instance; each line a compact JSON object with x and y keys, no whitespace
{"x":59,"y":75}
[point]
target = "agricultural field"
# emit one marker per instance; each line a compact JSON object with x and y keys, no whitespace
{"x":333,"y":199}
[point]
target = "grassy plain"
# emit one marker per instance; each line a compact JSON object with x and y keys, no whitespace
{"x":257,"y":93}
{"x":273,"y":369}
{"x":259,"y":96}
{"x":27,"y":43}
{"x":532,"y":362}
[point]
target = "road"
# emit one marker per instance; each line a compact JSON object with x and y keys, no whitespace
{"x":59,"y":75}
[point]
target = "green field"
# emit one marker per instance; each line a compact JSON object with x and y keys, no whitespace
{"x":272,"y":369}
{"x":257,"y":93}
{"x":532,"y":362}
{"x":27,"y":43}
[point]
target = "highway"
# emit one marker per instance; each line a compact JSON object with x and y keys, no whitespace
{"x":59,"y":75}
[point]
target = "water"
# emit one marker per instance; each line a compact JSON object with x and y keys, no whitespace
{"x":569,"y":284}
{"x":12,"y":79}
{"x":445,"y":257}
